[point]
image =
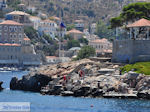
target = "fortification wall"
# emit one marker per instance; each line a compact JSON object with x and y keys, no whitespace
{"x":130,"y":51}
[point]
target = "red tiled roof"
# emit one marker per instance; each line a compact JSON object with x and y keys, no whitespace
{"x":9,"y":22}
{"x":100,"y":40}
{"x":7,"y":44}
{"x":18,"y":13}
{"x":74,"y":31}
{"x":48,"y":21}
{"x":54,"y":17}
{"x":140,"y":23}
{"x":26,"y":38}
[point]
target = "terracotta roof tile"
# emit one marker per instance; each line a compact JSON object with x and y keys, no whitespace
{"x":100,"y":40}
{"x":140,"y":23}
{"x":48,"y":21}
{"x":18,"y":13}
{"x":55,"y":18}
{"x":26,"y":39}
{"x":9,"y":22}
{"x":8,"y":44}
{"x":74,"y":31}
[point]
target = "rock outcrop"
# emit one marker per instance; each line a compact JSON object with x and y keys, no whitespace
{"x":84,"y":78}
{"x":1,"y":88}
{"x":30,"y":82}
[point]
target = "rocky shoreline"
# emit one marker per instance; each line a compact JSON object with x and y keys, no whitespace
{"x":97,"y":80}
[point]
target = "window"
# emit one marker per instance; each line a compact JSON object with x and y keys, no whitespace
{"x":0,"y":28}
{"x":20,"y":28}
{"x":15,"y":29}
{"x":5,"y":28}
{"x":5,"y":35}
{"x":20,"y":35}
{"x":10,"y":29}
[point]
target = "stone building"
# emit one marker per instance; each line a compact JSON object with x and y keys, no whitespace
{"x":15,"y":46}
{"x":102,"y":46}
{"x":75,"y":34}
{"x":136,"y":47}
{"x":11,"y":32}
{"x":20,"y":17}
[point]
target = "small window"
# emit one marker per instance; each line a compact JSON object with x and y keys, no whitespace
{"x":0,"y":27}
{"x":15,"y":29}
{"x":5,"y":28}
{"x":20,"y":28}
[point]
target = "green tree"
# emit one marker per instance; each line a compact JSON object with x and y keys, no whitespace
{"x":13,"y":4}
{"x":86,"y":52}
{"x":73,"y":43}
{"x":102,"y":30}
{"x":30,"y":32}
{"x":83,"y":40}
{"x":70,"y":27}
{"x":68,"y":37}
{"x":131,"y":13}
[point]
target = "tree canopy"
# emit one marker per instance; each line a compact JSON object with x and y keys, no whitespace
{"x":86,"y":52}
{"x":73,"y":43}
{"x":102,"y":30}
{"x":131,"y":13}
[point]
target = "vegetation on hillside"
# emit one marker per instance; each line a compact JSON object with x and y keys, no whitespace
{"x":73,"y":43}
{"x":86,"y":52}
{"x":90,"y":10}
{"x":140,"y":67}
{"x":103,"y":31}
{"x":43,"y":44}
{"x":131,"y":13}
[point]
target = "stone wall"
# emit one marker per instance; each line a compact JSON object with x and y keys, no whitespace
{"x":130,"y":51}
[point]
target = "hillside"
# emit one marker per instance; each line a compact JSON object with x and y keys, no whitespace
{"x":85,"y":9}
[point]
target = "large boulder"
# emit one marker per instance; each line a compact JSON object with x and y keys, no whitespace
{"x":145,"y":94}
{"x":131,"y":78}
{"x":1,"y":88}
{"x":30,"y":82}
{"x":143,"y":84}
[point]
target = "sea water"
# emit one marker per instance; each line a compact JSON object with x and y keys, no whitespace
{"x":39,"y":103}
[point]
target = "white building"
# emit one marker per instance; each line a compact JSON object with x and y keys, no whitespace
{"x":79,"y":25}
{"x":93,"y":28}
{"x":3,"y":4}
{"x":48,"y":27}
{"x":36,"y":21}
{"x":101,"y":46}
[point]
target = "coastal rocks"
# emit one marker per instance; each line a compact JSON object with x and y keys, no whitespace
{"x":1,"y":88}
{"x":67,"y":93}
{"x":131,"y":78}
{"x":145,"y":94}
{"x":65,"y":79}
{"x":30,"y":82}
{"x":143,"y":84}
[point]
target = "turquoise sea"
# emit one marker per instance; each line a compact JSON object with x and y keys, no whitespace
{"x":41,"y":103}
